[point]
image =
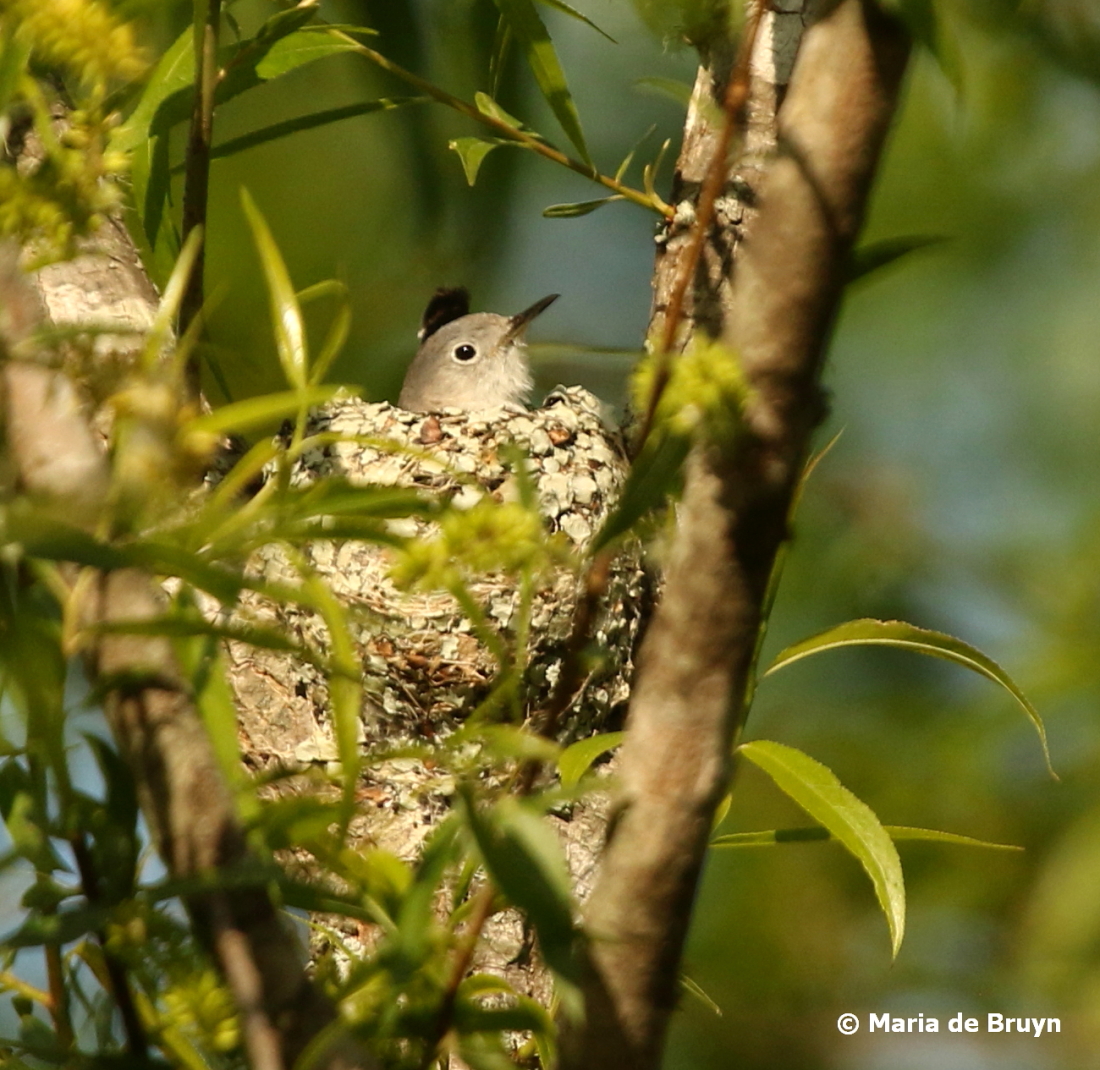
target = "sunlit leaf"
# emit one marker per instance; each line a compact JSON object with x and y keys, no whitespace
{"x":569,"y":211}
{"x":290,"y":336}
{"x":533,"y":38}
{"x":253,"y":414}
{"x":816,"y":789}
{"x":15,"y":54}
{"x":905,"y":636}
{"x":174,"y":73}
{"x":817,"y":834}
{"x":298,"y":49}
{"x":488,"y":106}
{"x":472,"y":152}
{"x":578,"y":757}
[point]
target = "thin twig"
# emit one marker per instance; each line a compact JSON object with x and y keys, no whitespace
{"x":58,"y":1004}
{"x":137,"y":1042}
{"x":196,"y":183}
{"x":506,"y":130}
{"x":464,"y":957}
{"x":733,"y":106}
{"x":261,"y":1039}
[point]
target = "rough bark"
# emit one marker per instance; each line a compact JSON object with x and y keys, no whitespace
{"x":774,"y":302}
{"x":56,"y":460}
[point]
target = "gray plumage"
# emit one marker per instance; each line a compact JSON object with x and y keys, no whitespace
{"x":469,"y":362}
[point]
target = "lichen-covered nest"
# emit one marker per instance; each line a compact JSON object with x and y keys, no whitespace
{"x":423,"y":664}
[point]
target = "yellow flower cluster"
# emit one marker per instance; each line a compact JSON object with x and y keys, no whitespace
{"x":705,"y":393}
{"x":490,"y":537}
{"x":82,"y":36}
{"x":202,"y":1008}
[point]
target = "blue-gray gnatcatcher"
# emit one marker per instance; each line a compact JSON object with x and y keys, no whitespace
{"x":466,"y":361}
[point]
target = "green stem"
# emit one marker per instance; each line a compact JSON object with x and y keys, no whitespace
{"x":506,"y":130}
{"x":196,"y":183}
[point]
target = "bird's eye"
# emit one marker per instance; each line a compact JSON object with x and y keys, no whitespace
{"x":465,"y":352}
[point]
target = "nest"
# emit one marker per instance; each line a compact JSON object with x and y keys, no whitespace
{"x":424,"y":667}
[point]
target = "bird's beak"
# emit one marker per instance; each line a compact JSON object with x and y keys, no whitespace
{"x":520,"y":321}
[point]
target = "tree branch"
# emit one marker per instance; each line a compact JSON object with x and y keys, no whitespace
{"x":59,"y":465}
{"x":696,"y":661}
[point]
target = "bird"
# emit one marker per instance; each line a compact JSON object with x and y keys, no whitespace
{"x":469,"y":362}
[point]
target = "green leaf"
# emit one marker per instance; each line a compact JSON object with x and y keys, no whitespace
{"x":58,"y":929}
{"x":569,"y":211}
{"x":312,"y":121}
{"x":286,"y":316}
{"x":906,"y":832}
{"x":904,"y":636}
{"x":525,"y":860}
{"x":816,"y":789}
{"x":472,"y":151}
{"x":927,"y":21}
{"x":297,"y":49}
{"x":203,"y":660}
{"x":255,"y":413}
{"x":817,"y":834}
{"x":578,"y":757}
{"x":173,"y":74}
{"x":15,"y":54}
{"x":533,"y":38}
{"x":55,"y":540}
{"x":671,"y":88}
{"x":653,"y":477}
{"x":693,"y":989}
{"x":870,"y":258}
{"x":572,"y":12}
{"x":488,"y":106}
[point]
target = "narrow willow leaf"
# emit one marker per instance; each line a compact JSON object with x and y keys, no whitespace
{"x":628,"y":159}
{"x":174,"y":74}
{"x":316,"y":119}
{"x":335,"y":339}
{"x":345,"y":686}
{"x":671,"y":88}
{"x":653,"y":477}
{"x":569,"y":211}
{"x":498,"y":59}
{"x":693,"y":989}
{"x":254,"y":413}
{"x":870,"y":258}
{"x":816,"y":834}
{"x":816,"y":789}
{"x":204,"y":662}
{"x":290,"y":335}
{"x":525,"y":861}
{"x":533,"y":38}
{"x":578,"y":757}
{"x":472,"y":152}
{"x":905,"y":636}
{"x":572,"y":12}
{"x":651,"y":170}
